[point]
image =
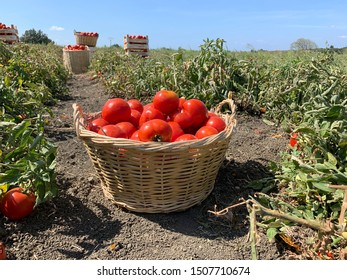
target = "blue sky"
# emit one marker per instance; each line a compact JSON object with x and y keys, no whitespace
{"x":244,"y":25}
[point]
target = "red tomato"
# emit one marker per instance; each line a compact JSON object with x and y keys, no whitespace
{"x":197,"y":109}
{"x":135,"y":105}
{"x":96,"y":124}
{"x":127,"y":127}
{"x":135,"y":136}
{"x":184,"y":119}
{"x":2,"y":251}
{"x":176,"y":130}
{"x":166,"y":101}
{"x":116,"y":110}
{"x":150,"y":114}
{"x":112,"y":130}
{"x":181,"y":101}
{"x":155,"y":130}
{"x":205,"y":131}
{"x":135,"y":117}
{"x":293,"y":142}
{"x":186,"y":137}
{"x":216,"y":122}
{"x":16,"y":205}
{"x":211,"y":114}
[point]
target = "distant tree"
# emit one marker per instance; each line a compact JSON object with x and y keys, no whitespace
{"x":303,"y":44}
{"x":35,"y":37}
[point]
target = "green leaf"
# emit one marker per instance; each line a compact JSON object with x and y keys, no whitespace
{"x":322,"y":186}
{"x":331,"y":159}
{"x":334,"y":112}
{"x":271,"y":233}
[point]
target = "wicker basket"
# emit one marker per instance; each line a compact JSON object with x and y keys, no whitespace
{"x":76,"y":62}
{"x":89,"y":41}
{"x":151,"y":177}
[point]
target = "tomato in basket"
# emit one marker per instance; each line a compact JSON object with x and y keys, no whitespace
{"x":166,"y":101}
{"x":155,"y":130}
{"x":216,"y":122}
{"x":116,"y":110}
{"x":205,"y":131}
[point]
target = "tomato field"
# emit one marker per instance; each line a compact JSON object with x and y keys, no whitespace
{"x":298,"y":96}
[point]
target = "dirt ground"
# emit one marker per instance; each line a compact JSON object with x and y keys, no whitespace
{"x":80,"y":223}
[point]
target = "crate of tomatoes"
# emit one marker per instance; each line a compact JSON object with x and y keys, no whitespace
{"x":86,"y":38}
{"x":159,"y":157}
{"x":136,"y":44}
{"x":76,"y":58}
{"x":8,"y":34}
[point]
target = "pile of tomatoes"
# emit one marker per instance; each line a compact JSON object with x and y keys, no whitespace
{"x":168,"y":118}
{"x":91,"y":34}
{"x":136,"y":37}
{"x":4,"y":26}
{"x":75,"y":48}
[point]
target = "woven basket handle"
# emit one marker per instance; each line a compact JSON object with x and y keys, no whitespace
{"x":77,"y":113}
{"x":230,"y":102}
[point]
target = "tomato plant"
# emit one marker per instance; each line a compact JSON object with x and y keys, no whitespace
{"x":156,"y":130}
{"x":16,"y":205}
{"x":116,"y":110}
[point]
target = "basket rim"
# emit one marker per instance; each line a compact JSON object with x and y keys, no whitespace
{"x":79,"y":118}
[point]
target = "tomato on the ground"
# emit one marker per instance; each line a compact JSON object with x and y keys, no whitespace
{"x":16,"y":205}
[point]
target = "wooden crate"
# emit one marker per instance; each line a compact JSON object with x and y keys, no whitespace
{"x":134,"y":45}
{"x":9,"y":36}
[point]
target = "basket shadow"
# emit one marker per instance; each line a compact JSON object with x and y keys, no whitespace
{"x":230,"y":188}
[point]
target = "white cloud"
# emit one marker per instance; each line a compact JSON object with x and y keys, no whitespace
{"x":343,"y":36}
{"x":56,"y":28}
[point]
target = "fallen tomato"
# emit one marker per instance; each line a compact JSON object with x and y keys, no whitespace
{"x":16,"y":205}
{"x":2,"y":251}
{"x":292,"y":141}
